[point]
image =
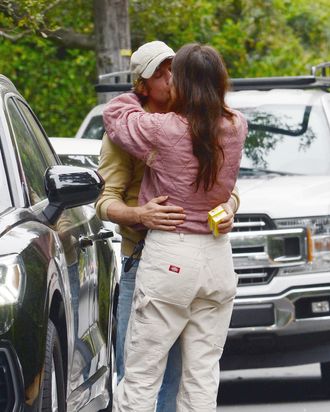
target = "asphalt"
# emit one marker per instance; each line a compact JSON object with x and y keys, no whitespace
{"x":294,"y":389}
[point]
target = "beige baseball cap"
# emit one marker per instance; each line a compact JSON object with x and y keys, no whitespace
{"x":146,"y":59}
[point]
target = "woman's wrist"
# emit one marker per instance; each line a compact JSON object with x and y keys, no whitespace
{"x":233,"y":203}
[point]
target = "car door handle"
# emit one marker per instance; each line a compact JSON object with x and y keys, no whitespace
{"x":86,"y":241}
{"x":101,"y":235}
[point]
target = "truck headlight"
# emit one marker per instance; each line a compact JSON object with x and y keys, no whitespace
{"x":318,"y":242}
{"x":11,"y":279}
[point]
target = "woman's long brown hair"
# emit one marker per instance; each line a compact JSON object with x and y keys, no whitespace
{"x":200,"y":81}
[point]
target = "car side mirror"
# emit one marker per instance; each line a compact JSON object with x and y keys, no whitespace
{"x":70,"y":186}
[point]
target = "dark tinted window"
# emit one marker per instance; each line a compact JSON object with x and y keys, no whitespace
{"x":38,"y":133}
{"x":33,"y":161}
{"x":5,"y":201}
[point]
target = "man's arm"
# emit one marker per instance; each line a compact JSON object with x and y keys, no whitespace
{"x":116,"y":170}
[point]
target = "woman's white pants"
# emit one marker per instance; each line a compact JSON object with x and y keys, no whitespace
{"x":185,"y":288}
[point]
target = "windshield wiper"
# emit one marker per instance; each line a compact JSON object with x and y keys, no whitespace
{"x":281,"y":130}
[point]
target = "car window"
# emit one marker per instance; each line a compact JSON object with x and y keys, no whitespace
{"x":39,"y":134}
{"x":33,"y":161}
{"x":287,"y":139}
{"x":5,"y":200}
{"x":94,"y":129}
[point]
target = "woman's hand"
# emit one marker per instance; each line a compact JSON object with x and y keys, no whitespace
{"x":227,"y":223}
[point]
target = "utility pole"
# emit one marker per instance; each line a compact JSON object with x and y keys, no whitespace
{"x":112,"y":34}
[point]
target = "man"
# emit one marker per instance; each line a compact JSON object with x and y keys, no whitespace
{"x":151,"y":72}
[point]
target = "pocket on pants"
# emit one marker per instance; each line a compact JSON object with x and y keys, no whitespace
{"x":168,"y":277}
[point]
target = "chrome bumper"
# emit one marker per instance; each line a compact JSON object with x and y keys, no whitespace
{"x":284,"y":306}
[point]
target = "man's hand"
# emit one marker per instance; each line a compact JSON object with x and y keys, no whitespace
{"x":154,"y":215}
{"x":227,"y":222}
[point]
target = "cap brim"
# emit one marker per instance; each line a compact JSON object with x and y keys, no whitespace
{"x":152,"y":66}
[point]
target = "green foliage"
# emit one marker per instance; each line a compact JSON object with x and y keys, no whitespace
{"x":57,"y":83}
{"x":36,"y":14}
{"x":255,"y":37}
{"x":175,"y":22}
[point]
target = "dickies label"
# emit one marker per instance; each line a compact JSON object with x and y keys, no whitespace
{"x":174,"y":269}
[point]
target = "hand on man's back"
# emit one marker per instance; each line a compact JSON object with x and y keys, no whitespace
{"x":154,"y":215}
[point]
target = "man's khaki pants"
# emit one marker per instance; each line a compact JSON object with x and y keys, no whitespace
{"x":185,"y":288}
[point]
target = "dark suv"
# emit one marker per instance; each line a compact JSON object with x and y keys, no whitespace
{"x":57,"y":273}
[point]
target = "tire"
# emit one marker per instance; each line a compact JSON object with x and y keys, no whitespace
{"x":325,"y":374}
{"x":112,"y":366}
{"x":53,"y":388}
{"x":110,"y":386}
{"x":112,"y":363}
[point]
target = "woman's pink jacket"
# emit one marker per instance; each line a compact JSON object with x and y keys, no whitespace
{"x":163,"y":142}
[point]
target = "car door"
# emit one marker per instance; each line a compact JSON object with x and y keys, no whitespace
{"x":35,"y":156}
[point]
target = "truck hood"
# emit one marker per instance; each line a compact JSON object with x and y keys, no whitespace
{"x":285,"y":196}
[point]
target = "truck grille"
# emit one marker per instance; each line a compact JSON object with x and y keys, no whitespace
{"x":248,"y":223}
{"x":260,"y":249}
{"x":7,"y":393}
{"x":250,"y":277}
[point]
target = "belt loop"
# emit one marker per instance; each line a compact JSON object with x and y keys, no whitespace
{"x":181,"y":237}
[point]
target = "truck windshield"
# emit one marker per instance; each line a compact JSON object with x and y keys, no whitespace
{"x":286,"y":139}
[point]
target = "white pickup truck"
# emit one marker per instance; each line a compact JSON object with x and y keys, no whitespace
{"x":281,"y":237}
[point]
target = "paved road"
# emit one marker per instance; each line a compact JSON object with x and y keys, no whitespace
{"x":295,"y":389}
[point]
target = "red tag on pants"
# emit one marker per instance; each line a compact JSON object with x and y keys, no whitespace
{"x":174,"y":269}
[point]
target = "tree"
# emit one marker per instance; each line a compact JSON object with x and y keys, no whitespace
{"x":255,"y":37}
{"x":113,"y":41}
{"x":110,"y":39}
{"x":53,"y":53}
{"x":53,"y":50}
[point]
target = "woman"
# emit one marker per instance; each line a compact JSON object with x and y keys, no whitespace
{"x":185,"y":283}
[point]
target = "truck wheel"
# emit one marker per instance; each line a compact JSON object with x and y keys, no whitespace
{"x":325,"y":374}
{"x":53,"y":389}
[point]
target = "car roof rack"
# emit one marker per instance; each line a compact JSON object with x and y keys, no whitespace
{"x":319,"y":78}
{"x":114,"y":82}
{"x":324,"y":68}
{"x":285,"y":82}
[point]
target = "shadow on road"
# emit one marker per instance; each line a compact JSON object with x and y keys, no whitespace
{"x":271,"y":390}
